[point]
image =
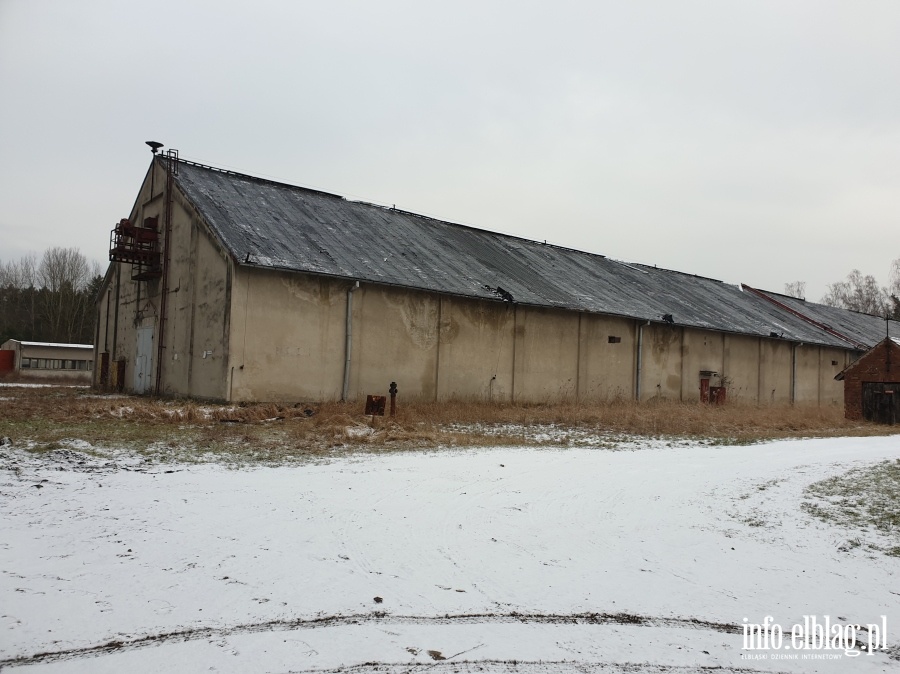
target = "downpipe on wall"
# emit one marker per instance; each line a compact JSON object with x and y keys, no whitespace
{"x":794,"y":371}
{"x":640,"y":360}
{"x":348,"y":349}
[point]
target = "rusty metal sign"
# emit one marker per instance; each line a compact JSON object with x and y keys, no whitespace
{"x":375,"y":405}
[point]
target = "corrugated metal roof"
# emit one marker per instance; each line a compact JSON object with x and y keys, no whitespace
{"x":863,"y":329}
{"x":268,"y":224}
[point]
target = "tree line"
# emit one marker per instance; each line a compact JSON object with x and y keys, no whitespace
{"x":859,"y":293}
{"x":49,"y":299}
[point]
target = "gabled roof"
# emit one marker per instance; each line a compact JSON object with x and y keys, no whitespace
{"x":889,"y":343}
{"x":265,"y":224}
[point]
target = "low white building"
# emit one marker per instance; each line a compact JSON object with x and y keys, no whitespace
{"x":45,"y":360}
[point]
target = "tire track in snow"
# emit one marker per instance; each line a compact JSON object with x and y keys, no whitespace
{"x":530,"y":667}
{"x":198,"y":633}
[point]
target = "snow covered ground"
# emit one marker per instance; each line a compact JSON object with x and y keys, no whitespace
{"x":495,"y":560}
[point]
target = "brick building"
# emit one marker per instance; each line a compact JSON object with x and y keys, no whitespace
{"x":872,"y":384}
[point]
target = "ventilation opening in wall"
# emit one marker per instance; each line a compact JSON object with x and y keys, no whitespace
{"x":614,"y":340}
{"x":834,"y":362}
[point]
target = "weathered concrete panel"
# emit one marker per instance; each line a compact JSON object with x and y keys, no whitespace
{"x":831,"y":363}
{"x":546,"y":355}
{"x":774,"y":371}
{"x":395,"y":338}
{"x":701,"y":350}
{"x":662,"y":363}
{"x":475,"y":356}
{"x":741,"y":368}
{"x":287,"y":341}
{"x":806,"y":383}
{"x":606,"y":358}
{"x":207,"y":370}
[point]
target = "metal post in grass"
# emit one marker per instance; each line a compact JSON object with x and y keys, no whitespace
{"x":393,"y":391}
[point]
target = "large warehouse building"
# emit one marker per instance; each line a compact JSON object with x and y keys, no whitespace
{"x":229,"y":287}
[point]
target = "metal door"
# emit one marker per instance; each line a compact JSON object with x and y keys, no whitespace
{"x":881,"y":402}
{"x":143,"y":361}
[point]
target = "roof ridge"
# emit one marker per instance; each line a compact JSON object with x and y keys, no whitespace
{"x":258,"y":179}
{"x":809,"y":319}
{"x":392,"y":208}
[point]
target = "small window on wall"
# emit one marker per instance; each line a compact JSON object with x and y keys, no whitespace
{"x":834,"y":362}
{"x":614,"y":340}
{"x":26,"y":362}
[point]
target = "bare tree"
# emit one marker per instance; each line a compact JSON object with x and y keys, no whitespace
{"x":859,"y":293}
{"x":20,"y":274}
{"x":894,"y":289}
{"x":796,"y":289}
{"x":64,"y":275}
{"x":18,"y":298}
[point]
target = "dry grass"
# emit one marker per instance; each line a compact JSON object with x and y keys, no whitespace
{"x":45,"y":417}
{"x":734,"y":423}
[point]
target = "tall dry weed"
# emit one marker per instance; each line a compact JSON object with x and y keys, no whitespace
{"x":50,"y":414}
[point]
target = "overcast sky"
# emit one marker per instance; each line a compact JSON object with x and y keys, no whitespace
{"x":754,"y":142}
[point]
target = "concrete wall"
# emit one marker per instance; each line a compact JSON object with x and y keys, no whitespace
{"x":288,"y":343}
{"x":395,"y":338}
{"x":606,"y":358}
{"x":661,"y":369}
{"x":701,"y":350}
{"x":775,"y":372}
{"x":831,"y":363}
{"x":741,"y":368}
{"x":482,"y":335}
{"x":127,"y":306}
{"x":752,"y":369}
{"x":196,"y":327}
{"x":287,"y":336}
{"x":546,"y":355}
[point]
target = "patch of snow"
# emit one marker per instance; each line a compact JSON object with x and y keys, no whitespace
{"x":566,"y":559}
{"x":105,"y":396}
